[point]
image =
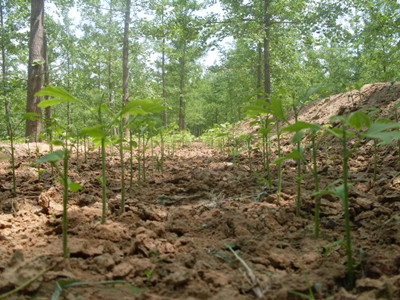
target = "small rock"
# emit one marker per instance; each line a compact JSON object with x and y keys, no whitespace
{"x":122,"y":270}
{"x":215,"y":278}
{"x":104,"y":261}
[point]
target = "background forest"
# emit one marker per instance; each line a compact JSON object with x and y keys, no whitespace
{"x":205,"y":60}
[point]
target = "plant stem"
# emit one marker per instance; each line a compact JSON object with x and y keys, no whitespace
{"x":350,"y":268}
{"x":103,"y":174}
{"x":131,"y":162}
{"x":139,"y":160}
{"x":298,"y":179}
{"x":77,"y":154}
{"x":13,"y":160}
{"x":162,"y":149}
{"x":316,"y":182}
{"x":375,"y":159}
{"x":249,"y":153}
{"x":279,"y":164}
{"x":121,"y":154}
{"x":65,"y":209}
{"x":25,"y":284}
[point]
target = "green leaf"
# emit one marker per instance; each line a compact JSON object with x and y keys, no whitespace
{"x":379,"y":127}
{"x":339,"y":191}
{"x":31,"y":116}
{"x":60,"y":95}
{"x":257,"y":110}
{"x":52,"y":157}
{"x":294,"y":155}
{"x":300,"y":294}
{"x":94,"y":132}
{"x":358,"y":119}
{"x":57,"y":143}
{"x":298,"y":137}
{"x":74,"y":186}
{"x":265,"y":131}
{"x":300,"y":125}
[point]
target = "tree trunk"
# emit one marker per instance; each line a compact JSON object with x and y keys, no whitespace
{"x":4,"y":68}
{"x":259,"y":70}
{"x":182,"y":123}
{"x":47,"y":82}
{"x":125,"y":59}
{"x":267,"y":66}
{"x":35,"y":67}
{"x":164,"y":91}
{"x":68,"y":86}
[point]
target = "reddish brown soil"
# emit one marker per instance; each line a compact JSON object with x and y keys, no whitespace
{"x":170,"y":242}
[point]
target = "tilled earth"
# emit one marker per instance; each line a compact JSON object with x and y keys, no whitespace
{"x":171,"y":241}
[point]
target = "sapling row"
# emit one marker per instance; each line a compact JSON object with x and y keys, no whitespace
{"x":106,"y":120}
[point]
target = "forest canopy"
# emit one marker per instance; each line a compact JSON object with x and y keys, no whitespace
{"x":263,"y":47}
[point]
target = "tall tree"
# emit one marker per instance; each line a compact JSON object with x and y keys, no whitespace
{"x":35,"y":67}
{"x":125,"y":55}
{"x":3,"y":66}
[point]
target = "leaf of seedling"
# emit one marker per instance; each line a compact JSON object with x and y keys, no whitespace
{"x":300,"y":125}
{"x":379,"y":131}
{"x":56,"y":143}
{"x":276,"y":108}
{"x":52,"y":157}
{"x":100,"y":179}
{"x":256,"y":110}
{"x":74,"y":186}
{"x":298,"y":137}
{"x":293,"y":155}
{"x":59,"y":95}
{"x":61,"y":285}
{"x":149,"y":272}
{"x":96,"y":132}
{"x":301,"y":295}
{"x":265,"y":131}
{"x":358,"y":119}
{"x":31,"y":116}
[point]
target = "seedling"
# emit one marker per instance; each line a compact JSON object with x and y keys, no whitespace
{"x":53,"y":158}
{"x":12,"y":127}
{"x":352,"y":126}
{"x":251,"y":277}
{"x":310,"y":291}
{"x":62,"y":285}
{"x":299,"y":128}
{"x":100,"y":132}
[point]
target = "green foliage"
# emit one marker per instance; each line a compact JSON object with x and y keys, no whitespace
{"x":62,"y":285}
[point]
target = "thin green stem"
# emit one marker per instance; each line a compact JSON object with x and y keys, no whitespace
{"x":278,"y":132}
{"x":375,"y":159}
{"x":316,"y":182}
{"x":104,"y":183}
{"x":121,"y":154}
{"x":131,"y":162}
{"x":350,"y":264}
{"x":13,"y":161}
{"x":65,"y":209}
{"x":298,"y":179}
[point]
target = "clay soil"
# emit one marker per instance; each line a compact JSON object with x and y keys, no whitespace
{"x":170,"y":242}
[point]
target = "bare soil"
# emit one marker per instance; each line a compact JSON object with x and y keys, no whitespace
{"x":169,"y":244}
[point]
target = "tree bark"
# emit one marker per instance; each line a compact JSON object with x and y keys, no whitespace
{"x":4,"y":68}
{"x":267,"y":63}
{"x":47,"y":82}
{"x":259,"y":70}
{"x":182,"y":123}
{"x":35,"y":67}
{"x":164,"y":90}
{"x":125,"y":59}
